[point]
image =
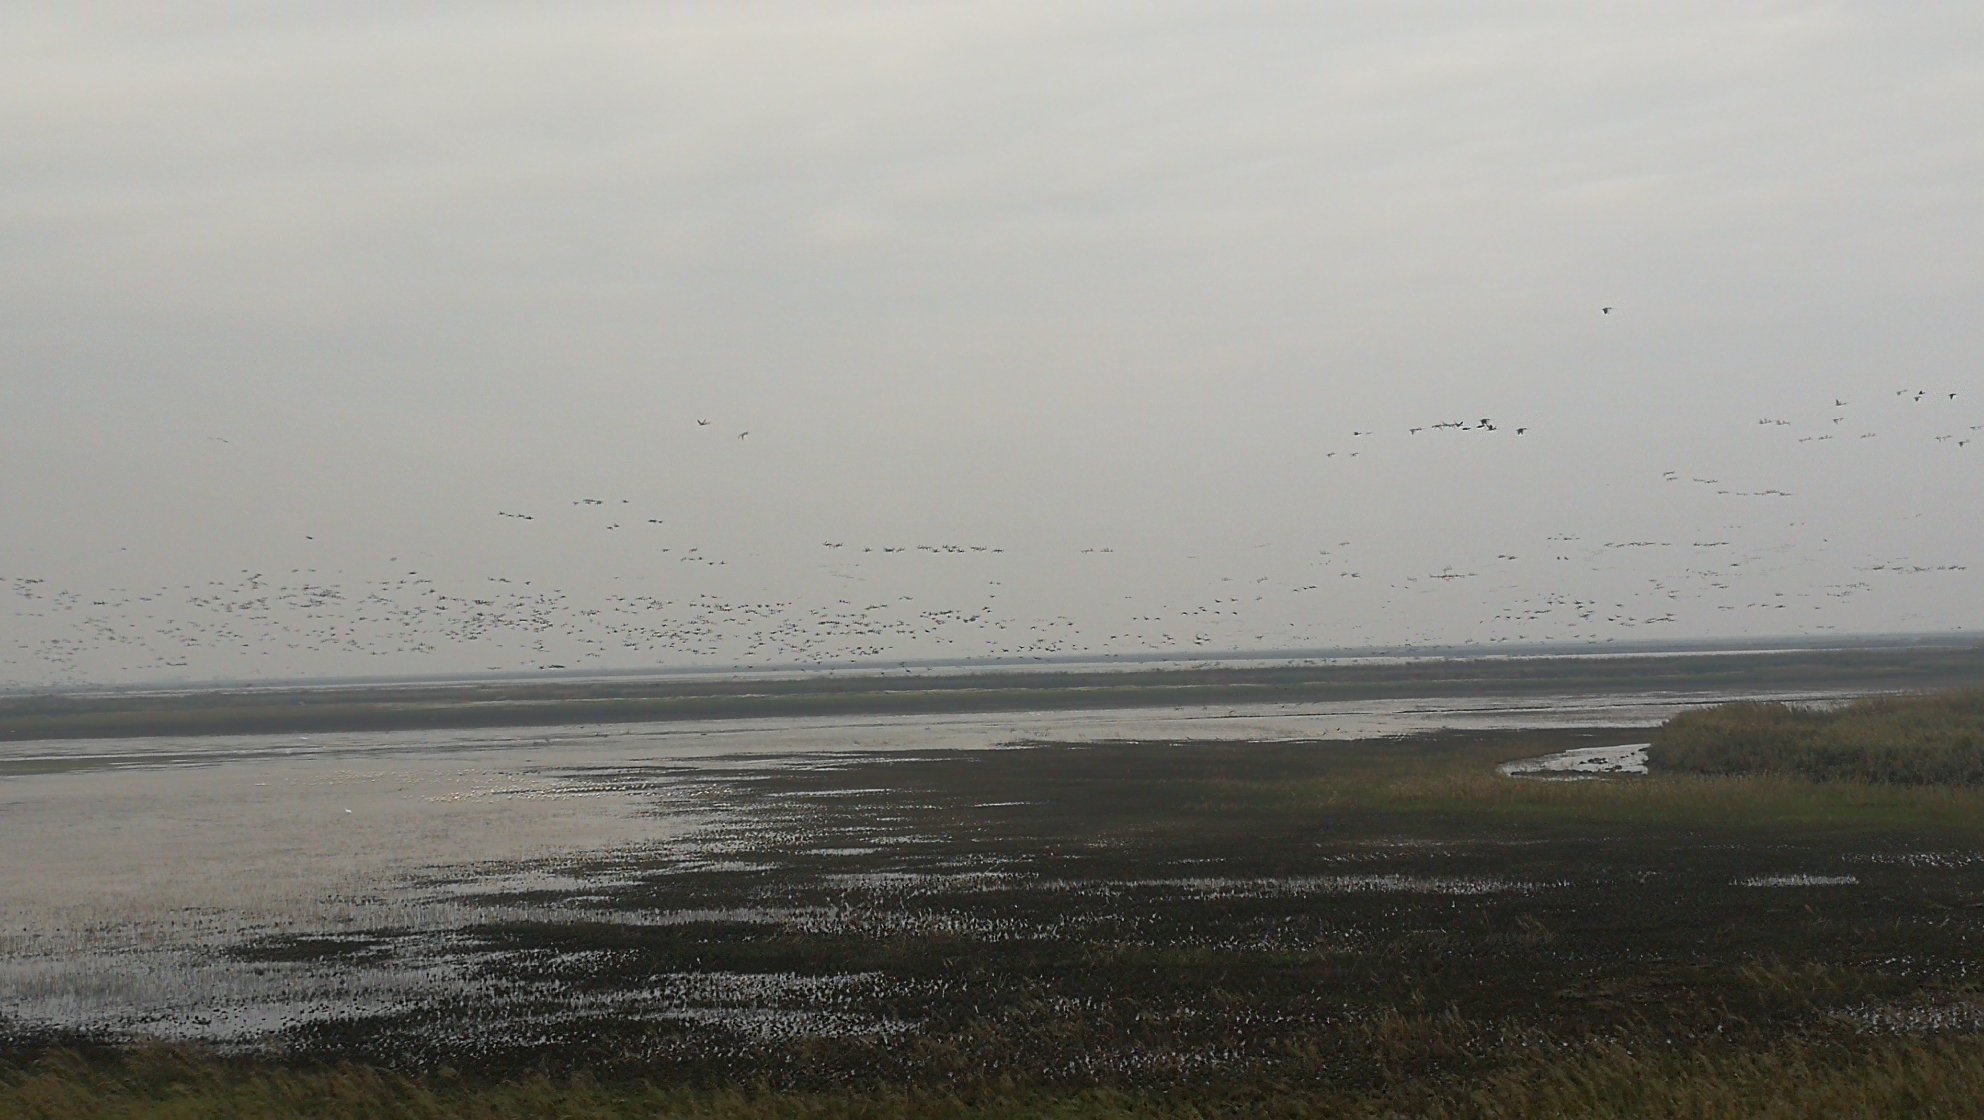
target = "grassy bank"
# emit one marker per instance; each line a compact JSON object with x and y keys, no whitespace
{"x":1933,"y":739}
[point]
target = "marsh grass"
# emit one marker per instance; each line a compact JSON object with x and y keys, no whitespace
{"x":1941,"y":1078}
{"x":1465,"y":783}
{"x":1933,"y":1078}
{"x":1930,"y":739}
{"x":1762,"y":800}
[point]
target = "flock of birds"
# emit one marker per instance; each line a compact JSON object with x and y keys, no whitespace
{"x":513,"y":623}
{"x":254,"y":624}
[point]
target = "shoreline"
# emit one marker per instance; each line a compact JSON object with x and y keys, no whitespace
{"x":314,"y":710}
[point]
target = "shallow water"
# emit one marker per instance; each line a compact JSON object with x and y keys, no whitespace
{"x":707,"y":741}
{"x":1581,"y":762}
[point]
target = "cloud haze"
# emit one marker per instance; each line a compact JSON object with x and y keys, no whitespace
{"x":314,"y":298}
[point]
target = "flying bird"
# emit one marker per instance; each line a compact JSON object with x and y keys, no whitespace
{"x":1605,"y":310}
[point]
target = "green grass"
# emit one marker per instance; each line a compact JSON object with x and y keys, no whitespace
{"x":1943,"y":1078}
{"x":1688,"y":800}
{"x":1932,"y":739}
{"x":1923,"y":1078}
{"x":1463,"y":782}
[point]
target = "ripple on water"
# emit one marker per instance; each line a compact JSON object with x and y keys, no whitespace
{"x":1798,"y":881}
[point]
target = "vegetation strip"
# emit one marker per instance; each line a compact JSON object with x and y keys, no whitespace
{"x":1934,"y":739}
{"x":1940,"y":1078}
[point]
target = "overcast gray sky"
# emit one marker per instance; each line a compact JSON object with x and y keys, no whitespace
{"x":1106,"y":290}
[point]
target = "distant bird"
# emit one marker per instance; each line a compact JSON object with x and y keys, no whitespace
{"x":1605,"y":310}
{"x":702,"y":423}
{"x":1520,"y":431}
{"x":741,"y":435}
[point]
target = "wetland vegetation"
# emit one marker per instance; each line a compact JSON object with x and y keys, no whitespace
{"x":1373,"y":928}
{"x":1942,"y":1079}
{"x":1919,"y":739}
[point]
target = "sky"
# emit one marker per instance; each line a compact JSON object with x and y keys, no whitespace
{"x":375,"y":338}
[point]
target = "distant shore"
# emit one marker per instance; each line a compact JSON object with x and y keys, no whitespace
{"x":263,"y":710}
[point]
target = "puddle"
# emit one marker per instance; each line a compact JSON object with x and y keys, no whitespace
{"x":1798,"y":881}
{"x":1584,"y":762}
